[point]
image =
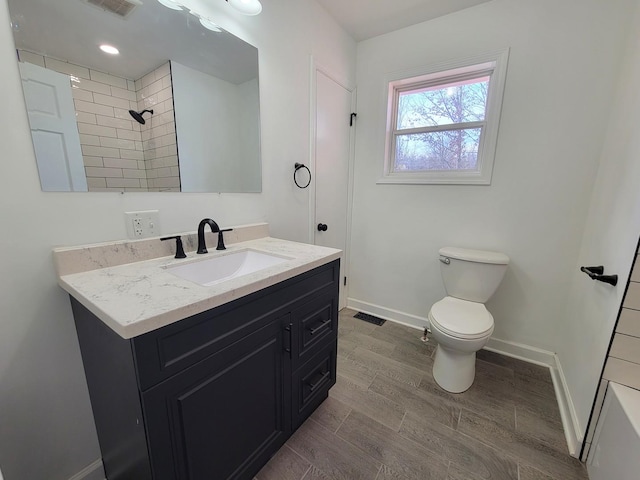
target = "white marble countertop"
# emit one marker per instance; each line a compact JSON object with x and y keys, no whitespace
{"x":136,"y":298}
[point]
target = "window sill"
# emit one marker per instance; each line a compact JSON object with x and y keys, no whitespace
{"x":459,"y":178}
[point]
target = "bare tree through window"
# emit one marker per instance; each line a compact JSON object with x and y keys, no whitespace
{"x":438,"y":126}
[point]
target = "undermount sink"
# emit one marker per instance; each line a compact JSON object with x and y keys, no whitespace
{"x":230,"y":265}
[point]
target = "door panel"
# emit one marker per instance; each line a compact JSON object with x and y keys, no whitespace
{"x":224,"y":417}
{"x":333,"y":146}
{"x":52,"y":119}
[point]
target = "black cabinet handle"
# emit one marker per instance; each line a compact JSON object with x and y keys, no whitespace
{"x":596,"y":273}
{"x":313,"y":331}
{"x":322,"y":227}
{"x":313,"y":386}
{"x":287,"y":347}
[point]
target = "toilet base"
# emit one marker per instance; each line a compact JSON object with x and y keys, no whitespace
{"x":454,"y":371}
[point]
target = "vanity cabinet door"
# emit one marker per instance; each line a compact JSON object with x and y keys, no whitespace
{"x":224,"y":417}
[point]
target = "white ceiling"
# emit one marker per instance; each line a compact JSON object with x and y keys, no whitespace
{"x":364,"y":19}
{"x":151,"y":35}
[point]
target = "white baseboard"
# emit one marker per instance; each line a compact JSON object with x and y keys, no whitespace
{"x":396,"y":316}
{"x":527,"y":353}
{"x":95,"y":471}
{"x":572,"y":430}
{"x":521,"y":351}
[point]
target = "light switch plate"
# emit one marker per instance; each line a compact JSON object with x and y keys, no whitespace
{"x":143,"y":224}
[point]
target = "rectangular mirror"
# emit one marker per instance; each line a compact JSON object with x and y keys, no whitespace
{"x":177,"y":109}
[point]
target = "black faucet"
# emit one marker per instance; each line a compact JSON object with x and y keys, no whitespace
{"x":202,"y":246}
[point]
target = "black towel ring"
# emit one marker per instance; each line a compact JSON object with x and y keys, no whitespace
{"x":298,"y":166}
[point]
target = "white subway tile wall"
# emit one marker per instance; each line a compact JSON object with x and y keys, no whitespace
{"x":159,"y":133}
{"x":119,"y":153}
{"x":623,"y":364}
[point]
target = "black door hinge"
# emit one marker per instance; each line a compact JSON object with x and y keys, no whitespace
{"x":345,"y":281}
{"x":353,"y":115}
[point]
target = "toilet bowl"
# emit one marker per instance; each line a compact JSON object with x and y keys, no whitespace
{"x":460,"y":328}
{"x":460,"y":323}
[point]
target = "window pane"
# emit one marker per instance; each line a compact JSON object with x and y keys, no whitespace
{"x":444,"y":104}
{"x":446,"y":150}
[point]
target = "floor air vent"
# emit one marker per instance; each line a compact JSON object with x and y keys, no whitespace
{"x":369,"y":318}
{"x":121,"y":8}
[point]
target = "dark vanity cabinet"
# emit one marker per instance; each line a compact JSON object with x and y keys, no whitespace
{"x":215,"y":395}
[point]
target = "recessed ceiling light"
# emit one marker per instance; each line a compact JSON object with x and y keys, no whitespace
{"x":247,"y":7}
{"x":208,"y":24}
{"x":171,"y":4}
{"x":111,"y":50}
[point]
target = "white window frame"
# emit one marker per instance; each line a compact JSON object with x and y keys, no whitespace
{"x":493,"y":64}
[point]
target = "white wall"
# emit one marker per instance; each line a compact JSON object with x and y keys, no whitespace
{"x":563,"y":64}
{"x":249,"y":171}
{"x":46,"y":426}
{"x":610,"y":239}
{"x":212,"y":132}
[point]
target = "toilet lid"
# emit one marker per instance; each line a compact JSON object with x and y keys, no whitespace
{"x":461,"y":318}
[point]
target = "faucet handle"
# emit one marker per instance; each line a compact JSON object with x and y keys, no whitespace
{"x":221,"y":239}
{"x":179,"y":248}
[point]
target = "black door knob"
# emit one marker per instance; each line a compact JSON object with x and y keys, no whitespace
{"x":322,"y":227}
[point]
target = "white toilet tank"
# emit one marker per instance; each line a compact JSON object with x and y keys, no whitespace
{"x":472,"y":275}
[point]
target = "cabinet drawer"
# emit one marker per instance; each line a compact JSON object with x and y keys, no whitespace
{"x":169,"y":350}
{"x":311,"y":383}
{"x":317,"y":323}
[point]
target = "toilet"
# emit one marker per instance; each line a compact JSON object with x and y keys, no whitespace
{"x":460,"y":323}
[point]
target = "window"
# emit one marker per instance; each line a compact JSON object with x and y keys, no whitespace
{"x":442,"y":123}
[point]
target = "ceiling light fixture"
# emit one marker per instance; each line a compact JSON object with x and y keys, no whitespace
{"x":246,"y":7}
{"x":208,"y":24}
{"x":111,"y":50}
{"x":171,"y":4}
{"x":204,"y":21}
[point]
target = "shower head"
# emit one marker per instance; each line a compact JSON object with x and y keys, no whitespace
{"x":137,"y":116}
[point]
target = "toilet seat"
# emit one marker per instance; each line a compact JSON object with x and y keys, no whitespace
{"x":461,"y":318}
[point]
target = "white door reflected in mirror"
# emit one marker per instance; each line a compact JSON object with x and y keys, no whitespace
{"x":52,"y":119}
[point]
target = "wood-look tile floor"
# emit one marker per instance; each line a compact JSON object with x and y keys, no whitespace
{"x":387,"y":419}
